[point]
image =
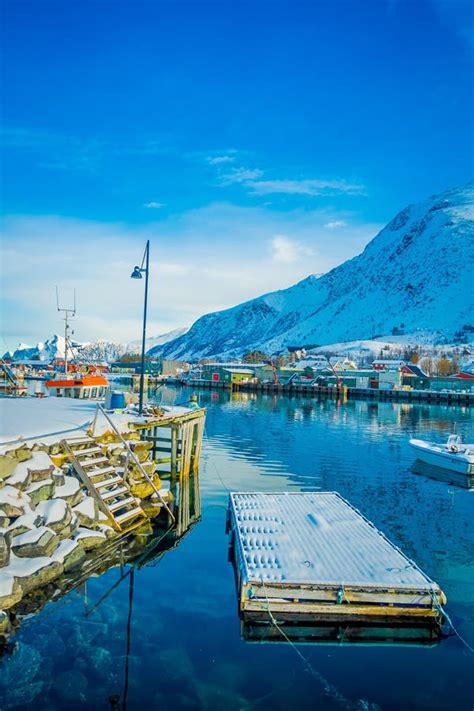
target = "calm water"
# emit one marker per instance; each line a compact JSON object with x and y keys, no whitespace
{"x":186,"y":651}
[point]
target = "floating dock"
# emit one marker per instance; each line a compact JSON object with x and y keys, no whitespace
{"x":313,"y":557}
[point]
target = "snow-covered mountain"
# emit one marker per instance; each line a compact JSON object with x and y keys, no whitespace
{"x":154,"y":343}
{"x":54,"y":347}
{"x":415,"y":276}
{"x":91,"y":352}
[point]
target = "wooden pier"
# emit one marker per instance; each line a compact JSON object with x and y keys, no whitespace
{"x":435,"y":397}
{"x":313,"y":557}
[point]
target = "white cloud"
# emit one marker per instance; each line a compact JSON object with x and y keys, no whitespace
{"x":217,"y":160}
{"x":240,"y":175}
{"x":335,"y":224}
{"x":288,"y":250}
{"x":154,"y":205}
{"x":201,"y":260}
{"x":303,"y":187}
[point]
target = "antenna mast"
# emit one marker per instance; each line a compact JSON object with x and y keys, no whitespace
{"x":68,"y":313}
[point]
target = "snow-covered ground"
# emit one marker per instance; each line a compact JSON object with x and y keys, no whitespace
{"x":41,"y":418}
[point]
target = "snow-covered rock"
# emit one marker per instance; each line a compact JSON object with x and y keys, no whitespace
{"x":414,"y":276}
{"x":37,"y":542}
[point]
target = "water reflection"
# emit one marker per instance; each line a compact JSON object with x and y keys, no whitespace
{"x":186,"y":649}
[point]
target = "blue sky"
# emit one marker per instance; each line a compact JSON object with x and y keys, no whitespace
{"x":253,"y":142}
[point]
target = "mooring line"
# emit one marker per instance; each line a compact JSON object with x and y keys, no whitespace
{"x":329,"y":688}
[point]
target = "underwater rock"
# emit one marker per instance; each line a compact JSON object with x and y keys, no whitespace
{"x":19,"y":696}
{"x":40,"y":490}
{"x":32,"y":573}
{"x":69,"y":554}
{"x":38,"y":542}
{"x":101,"y":662}
{"x":5,"y":540}
{"x":89,"y":539}
{"x":48,"y":641}
{"x":71,"y":686}
{"x":21,"y":667}
{"x":87,"y":512}
{"x":10,"y":590}
{"x":70,"y":491}
{"x":13,"y":502}
{"x":56,"y":514}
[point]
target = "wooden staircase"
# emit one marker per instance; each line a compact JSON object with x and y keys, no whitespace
{"x":105,"y":484}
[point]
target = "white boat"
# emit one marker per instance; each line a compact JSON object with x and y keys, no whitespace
{"x":455,"y":455}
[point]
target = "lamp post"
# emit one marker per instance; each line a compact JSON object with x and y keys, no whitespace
{"x":137,"y":274}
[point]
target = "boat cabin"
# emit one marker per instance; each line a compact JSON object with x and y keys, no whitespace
{"x":93,"y":387}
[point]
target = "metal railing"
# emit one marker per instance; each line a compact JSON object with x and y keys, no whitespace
{"x":131,"y":454}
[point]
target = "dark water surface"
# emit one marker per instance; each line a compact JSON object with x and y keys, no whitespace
{"x":186,"y":651}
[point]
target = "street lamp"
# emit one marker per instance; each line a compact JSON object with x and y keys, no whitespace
{"x":137,"y":274}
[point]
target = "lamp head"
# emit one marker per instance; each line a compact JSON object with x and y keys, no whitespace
{"x":136,"y":274}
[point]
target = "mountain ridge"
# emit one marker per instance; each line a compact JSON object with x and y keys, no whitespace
{"x":414,"y":275}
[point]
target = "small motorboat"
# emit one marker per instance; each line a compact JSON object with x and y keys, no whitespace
{"x":455,"y":455}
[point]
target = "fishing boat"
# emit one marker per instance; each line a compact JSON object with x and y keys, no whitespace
{"x":455,"y":455}
{"x":93,"y":387}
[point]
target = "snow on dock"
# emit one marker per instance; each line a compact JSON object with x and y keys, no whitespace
{"x":37,"y":418}
{"x":313,"y":556}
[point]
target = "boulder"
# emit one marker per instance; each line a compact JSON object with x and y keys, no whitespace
{"x":69,"y":554}
{"x":4,"y":521}
{"x":24,"y":523}
{"x":33,"y":573}
{"x":39,"y":466}
{"x":58,"y":477}
{"x":21,"y":477}
{"x":107,"y":530}
{"x":40,"y":490}
{"x":36,"y":543}
{"x":70,"y":491}
{"x":21,"y":453}
{"x":56,"y":514}
{"x":10,"y":590}
{"x":87,"y":511}
{"x":5,"y":626}
{"x":13,"y":502}
{"x":5,"y":543}
{"x":89,"y":539}
{"x":7,"y":465}
{"x":142,"y":489}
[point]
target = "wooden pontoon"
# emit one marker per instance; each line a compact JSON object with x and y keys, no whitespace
{"x":312,"y":556}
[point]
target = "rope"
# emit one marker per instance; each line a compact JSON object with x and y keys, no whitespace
{"x":329,"y":689}
{"x":129,"y":628}
{"x":441,"y":609}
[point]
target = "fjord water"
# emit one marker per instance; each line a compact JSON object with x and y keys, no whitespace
{"x":186,"y":651}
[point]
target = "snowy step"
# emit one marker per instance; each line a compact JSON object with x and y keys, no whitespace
{"x":113,"y":493}
{"x":121,"y":504}
{"x":108,"y":482}
{"x":79,"y":442}
{"x":93,"y":462}
{"x":101,"y":472}
{"x":128,"y":515}
{"x":85,"y":452}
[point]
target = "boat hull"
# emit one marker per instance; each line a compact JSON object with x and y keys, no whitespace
{"x":435,"y":456}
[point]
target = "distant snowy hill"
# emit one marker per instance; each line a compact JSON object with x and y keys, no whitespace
{"x":94,"y":352}
{"x":153,"y":344}
{"x":53,"y":348}
{"x":414,"y":277}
